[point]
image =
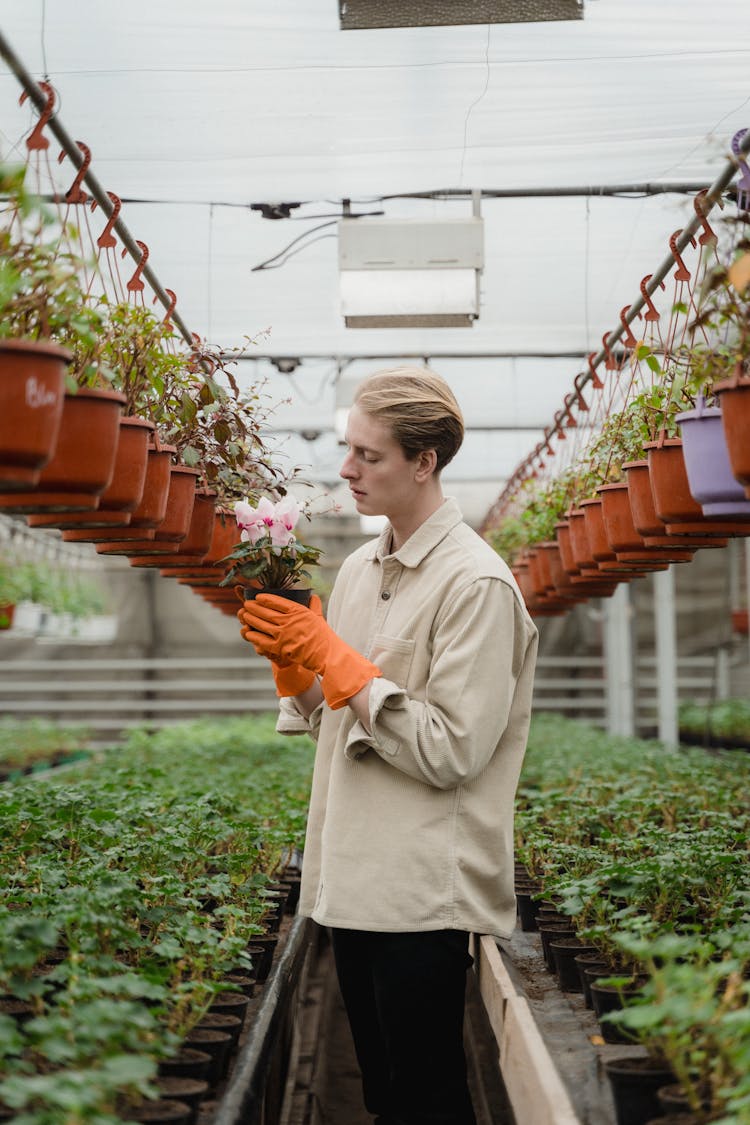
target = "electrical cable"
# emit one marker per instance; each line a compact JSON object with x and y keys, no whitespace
{"x":269,"y":262}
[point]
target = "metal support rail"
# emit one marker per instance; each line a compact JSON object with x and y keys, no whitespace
{"x":704,"y":203}
{"x":242,"y":1104}
{"x":72,"y":150}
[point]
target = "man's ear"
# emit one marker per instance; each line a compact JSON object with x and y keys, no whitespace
{"x":426,"y":464}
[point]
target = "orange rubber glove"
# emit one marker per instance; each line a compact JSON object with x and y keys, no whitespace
{"x":285,"y":630}
{"x":290,"y":678}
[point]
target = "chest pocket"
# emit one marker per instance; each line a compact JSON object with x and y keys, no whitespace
{"x":394,"y":656}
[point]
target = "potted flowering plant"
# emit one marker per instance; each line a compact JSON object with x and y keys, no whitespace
{"x":270,"y":557}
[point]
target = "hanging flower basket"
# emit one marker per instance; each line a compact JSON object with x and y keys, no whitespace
{"x":125,"y":490}
{"x":734,"y":395}
{"x":673,"y":500}
{"x":709,"y":470}
{"x":32,"y":388}
{"x":84,"y":459}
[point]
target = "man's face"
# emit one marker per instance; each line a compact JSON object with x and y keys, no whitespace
{"x":381,"y":479}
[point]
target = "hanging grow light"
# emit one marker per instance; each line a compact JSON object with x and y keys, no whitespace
{"x":356,"y":15}
{"x":410,"y":274}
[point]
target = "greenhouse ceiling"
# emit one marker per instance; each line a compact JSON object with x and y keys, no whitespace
{"x":206,"y":119}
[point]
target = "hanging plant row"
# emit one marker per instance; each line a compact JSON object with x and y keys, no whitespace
{"x":653,"y":465}
{"x":131,"y":899}
{"x":638,"y":858}
{"x":112,"y":429}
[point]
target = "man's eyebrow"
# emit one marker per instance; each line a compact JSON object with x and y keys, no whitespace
{"x":361,"y":448}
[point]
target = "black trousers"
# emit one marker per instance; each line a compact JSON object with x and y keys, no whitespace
{"x":404,"y":995}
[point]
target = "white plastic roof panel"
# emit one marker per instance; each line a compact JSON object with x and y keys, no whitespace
{"x":199,"y":111}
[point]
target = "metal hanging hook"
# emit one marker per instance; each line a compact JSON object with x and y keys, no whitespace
{"x":172,"y":303}
{"x":75,"y":193}
{"x":36,"y":139}
{"x":135,"y":285}
{"x":708,"y":234}
{"x":582,"y":404}
{"x":682,"y":273}
{"x":653,"y":313}
{"x":609,"y":360}
{"x":106,"y":238}
{"x":592,"y":369}
{"x":630,"y":340}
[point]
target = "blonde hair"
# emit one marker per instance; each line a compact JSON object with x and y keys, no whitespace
{"x":418,"y":406}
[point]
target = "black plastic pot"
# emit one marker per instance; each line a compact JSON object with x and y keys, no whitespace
{"x":188,"y":1063}
{"x":216,"y":1044}
{"x":590,"y":966}
{"x":605,"y":999}
{"x":293,"y":594}
{"x":564,"y":953}
{"x":673,"y":1099}
{"x":549,"y":932}
{"x":634,"y":1083}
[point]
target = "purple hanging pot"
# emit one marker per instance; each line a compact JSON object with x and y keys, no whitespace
{"x":712,"y":482}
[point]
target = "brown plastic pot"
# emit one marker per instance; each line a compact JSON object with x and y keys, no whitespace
{"x":151,"y":508}
{"x":673,"y":500}
{"x":734,"y":395}
{"x":84,"y":459}
{"x":647,"y":523}
{"x":32,"y":390}
{"x":194,"y":546}
{"x":120,"y":499}
{"x":173,"y":527}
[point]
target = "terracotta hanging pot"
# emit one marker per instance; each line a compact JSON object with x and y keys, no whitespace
{"x":673,"y":500}
{"x":173,"y":527}
{"x":84,"y":460}
{"x":623,"y":538}
{"x":124,"y":493}
{"x":32,"y":391}
{"x":734,"y":395}
{"x":710,"y":476}
{"x":552,"y":568}
{"x":646,"y":521}
{"x":589,"y":583}
{"x":151,"y":508}
{"x":561,"y":579}
{"x":193,"y":573}
{"x":601,"y":552}
{"x":194,"y":546}
{"x":226,"y":536}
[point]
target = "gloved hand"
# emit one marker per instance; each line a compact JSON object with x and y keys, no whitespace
{"x":290,"y":632}
{"x":290,"y":678}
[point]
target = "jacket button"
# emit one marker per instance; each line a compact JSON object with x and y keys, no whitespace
{"x":385,"y":595}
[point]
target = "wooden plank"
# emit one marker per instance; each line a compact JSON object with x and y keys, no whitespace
{"x":494,"y":985}
{"x":535,"y":1089}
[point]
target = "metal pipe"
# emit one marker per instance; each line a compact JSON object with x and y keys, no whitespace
{"x":708,"y":202}
{"x":678,"y":187}
{"x":72,"y":150}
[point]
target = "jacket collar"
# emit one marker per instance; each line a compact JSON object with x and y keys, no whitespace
{"x":427,"y":536}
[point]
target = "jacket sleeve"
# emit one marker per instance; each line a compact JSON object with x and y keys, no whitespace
{"x":482,"y":641}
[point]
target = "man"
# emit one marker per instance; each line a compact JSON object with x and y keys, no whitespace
{"x":418,"y":692}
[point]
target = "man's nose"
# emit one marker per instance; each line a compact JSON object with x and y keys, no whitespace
{"x":347,"y":469}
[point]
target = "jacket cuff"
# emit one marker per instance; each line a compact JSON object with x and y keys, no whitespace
{"x":358,"y":740}
{"x":292,"y":721}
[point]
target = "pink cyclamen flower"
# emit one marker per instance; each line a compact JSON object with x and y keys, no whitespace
{"x":276,"y":521}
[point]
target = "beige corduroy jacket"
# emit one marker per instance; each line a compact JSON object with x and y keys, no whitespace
{"x":411,"y":827}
